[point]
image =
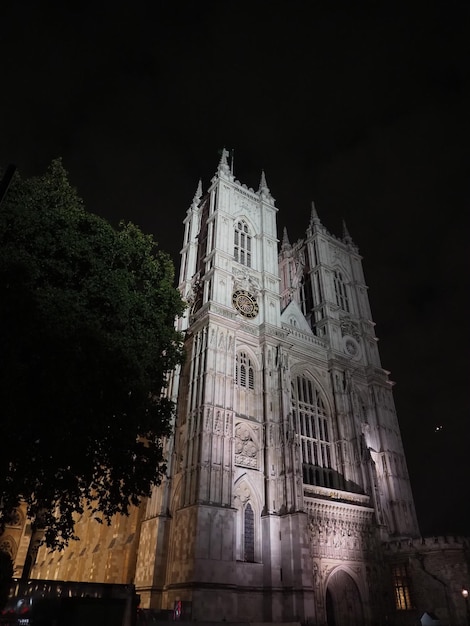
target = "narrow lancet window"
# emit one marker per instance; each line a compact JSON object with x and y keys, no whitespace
{"x":249,"y":534}
{"x":244,"y":372}
{"x":341,"y":292}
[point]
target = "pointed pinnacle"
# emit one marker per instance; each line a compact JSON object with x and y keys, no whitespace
{"x":314,"y":219}
{"x":346,"y":236}
{"x":198,"y":193}
{"x":262,"y":183}
{"x":285,"y":239}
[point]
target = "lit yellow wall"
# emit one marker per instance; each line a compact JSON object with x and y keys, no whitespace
{"x":102,"y":554}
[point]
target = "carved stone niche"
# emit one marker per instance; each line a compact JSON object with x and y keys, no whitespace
{"x":246,"y":446}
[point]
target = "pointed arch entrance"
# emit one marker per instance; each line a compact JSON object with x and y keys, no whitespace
{"x":343,"y":601}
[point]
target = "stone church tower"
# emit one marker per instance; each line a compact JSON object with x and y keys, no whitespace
{"x":287,"y":496}
{"x":286,"y":470}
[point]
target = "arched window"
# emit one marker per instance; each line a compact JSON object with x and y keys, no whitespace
{"x":341,"y":292}
{"x":311,"y":422}
{"x":244,"y":372}
{"x":249,"y":534}
{"x":8,"y":545}
{"x":242,"y":244}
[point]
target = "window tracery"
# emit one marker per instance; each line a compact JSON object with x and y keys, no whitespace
{"x":244,"y":371}
{"x":242,"y":248}
{"x":311,"y":422}
{"x":402,"y":585}
{"x":341,"y":292}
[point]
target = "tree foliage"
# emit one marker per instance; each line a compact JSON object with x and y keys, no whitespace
{"x":87,"y":340}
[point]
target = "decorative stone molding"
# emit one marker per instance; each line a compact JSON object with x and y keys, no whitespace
{"x":341,"y":531}
{"x":242,"y":494}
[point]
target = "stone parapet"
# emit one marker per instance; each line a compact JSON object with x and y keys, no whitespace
{"x":427,"y":544}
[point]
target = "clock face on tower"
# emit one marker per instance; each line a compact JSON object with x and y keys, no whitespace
{"x":245,"y":303}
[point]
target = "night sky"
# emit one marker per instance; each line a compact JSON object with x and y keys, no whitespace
{"x":362,"y":107}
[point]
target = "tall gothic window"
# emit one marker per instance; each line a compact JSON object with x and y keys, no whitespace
{"x":341,"y":292}
{"x":244,"y":371}
{"x":401,"y":582}
{"x":311,"y":422}
{"x":242,"y":244}
{"x":249,"y":534}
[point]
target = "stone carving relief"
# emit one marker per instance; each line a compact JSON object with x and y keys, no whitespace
{"x":348,"y":327}
{"x":243,"y":279}
{"x":246,"y":447}
{"x":343,"y":537}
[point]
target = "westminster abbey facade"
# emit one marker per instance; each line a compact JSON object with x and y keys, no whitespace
{"x":287,"y":497}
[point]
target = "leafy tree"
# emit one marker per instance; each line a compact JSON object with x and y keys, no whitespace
{"x":87,"y":340}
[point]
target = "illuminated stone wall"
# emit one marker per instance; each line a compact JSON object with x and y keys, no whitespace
{"x":102,"y":554}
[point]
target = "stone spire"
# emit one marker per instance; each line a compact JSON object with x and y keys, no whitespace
{"x":346,"y":236}
{"x":314,"y":219}
{"x":262,"y":183}
{"x":263,"y":189}
{"x":285,"y":240}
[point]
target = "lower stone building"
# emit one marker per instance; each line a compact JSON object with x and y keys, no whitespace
{"x":429,"y":575}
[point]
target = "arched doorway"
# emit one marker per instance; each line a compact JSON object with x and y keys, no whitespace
{"x":343,"y":601}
